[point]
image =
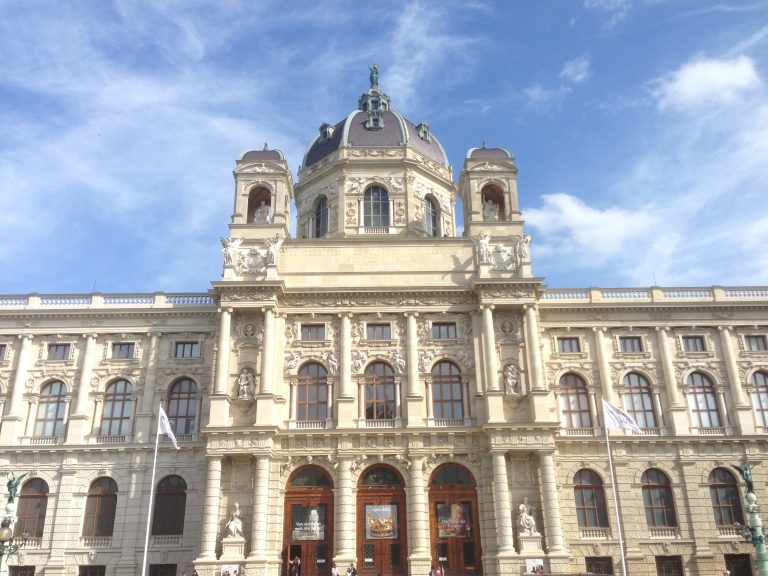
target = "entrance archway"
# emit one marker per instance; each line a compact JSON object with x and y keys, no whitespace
{"x":381,"y":534}
{"x":453,"y":521}
{"x":308,"y":521}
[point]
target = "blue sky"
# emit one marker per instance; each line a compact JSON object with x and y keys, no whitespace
{"x":640,"y":127}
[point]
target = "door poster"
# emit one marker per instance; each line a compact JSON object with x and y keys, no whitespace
{"x":452,"y":520}
{"x":381,"y":521}
{"x":308,"y":522}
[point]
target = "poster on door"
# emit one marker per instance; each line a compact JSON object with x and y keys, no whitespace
{"x":380,"y":521}
{"x":308,"y":522}
{"x":452,"y":520}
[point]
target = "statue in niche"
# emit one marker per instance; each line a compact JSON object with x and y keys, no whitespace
{"x":483,"y":246}
{"x":245,"y":385}
{"x":262,"y":212}
{"x":526,"y":519}
{"x":524,"y":248}
{"x":511,"y":380}
{"x":235,"y":524}
{"x":490,"y":210}
{"x":230,"y":247}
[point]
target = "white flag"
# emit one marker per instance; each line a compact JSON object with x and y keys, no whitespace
{"x":164,"y":427}
{"x":617,"y":419}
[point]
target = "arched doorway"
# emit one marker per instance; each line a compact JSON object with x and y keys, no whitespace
{"x":308,"y":521}
{"x":381,"y":533}
{"x":453,"y":521}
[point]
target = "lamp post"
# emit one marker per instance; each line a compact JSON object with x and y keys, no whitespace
{"x":8,"y":544}
{"x":754,"y":533}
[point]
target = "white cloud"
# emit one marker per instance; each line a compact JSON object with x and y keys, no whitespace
{"x":545,"y":99}
{"x":614,"y":10}
{"x":577,"y":70}
{"x":703,"y":82}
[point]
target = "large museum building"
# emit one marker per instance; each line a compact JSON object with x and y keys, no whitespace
{"x":382,"y":391}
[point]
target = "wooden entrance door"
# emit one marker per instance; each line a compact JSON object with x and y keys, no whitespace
{"x":381,"y":533}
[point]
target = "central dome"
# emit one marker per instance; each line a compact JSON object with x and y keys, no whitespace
{"x":374,"y":124}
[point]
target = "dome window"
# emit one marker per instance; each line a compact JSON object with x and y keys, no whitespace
{"x":423,"y":130}
{"x":326,"y":131}
{"x":375,"y":121}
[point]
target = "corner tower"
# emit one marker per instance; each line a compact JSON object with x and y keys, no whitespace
{"x":375,"y":173}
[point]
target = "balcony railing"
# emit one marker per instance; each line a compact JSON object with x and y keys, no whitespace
{"x":308,"y":424}
{"x":96,"y":541}
{"x":450,"y":422}
{"x":110,"y":439}
{"x":594,"y":533}
{"x":42,"y":440}
{"x":166,"y":541}
{"x":579,"y":431}
{"x":731,"y":530}
{"x":664,"y":532}
{"x":96,"y":301}
{"x":709,"y":431}
{"x":378,"y":423}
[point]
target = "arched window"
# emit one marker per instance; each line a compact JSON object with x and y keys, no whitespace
{"x":100,"y":508}
{"x":657,"y":499}
{"x":116,"y":418}
{"x":379,"y":392}
{"x":759,"y":383}
{"x":589,"y":494}
{"x":376,"y":207}
{"x":182,"y":406}
{"x":259,"y":206}
{"x":574,"y":402}
{"x":702,"y":402}
{"x":309,"y":476}
{"x":447,"y":399}
{"x":50,"y":409}
{"x":431,"y":217}
{"x":30,"y":511}
{"x":170,"y":506}
{"x":321,"y":217}
{"x":312,"y":392}
{"x":638,"y":401}
{"x":451,"y":475}
{"x":724,"y":495}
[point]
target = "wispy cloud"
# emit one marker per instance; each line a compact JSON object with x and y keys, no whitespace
{"x":577,"y":70}
{"x":614,"y":11}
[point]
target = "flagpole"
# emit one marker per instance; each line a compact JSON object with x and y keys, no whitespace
{"x":616,"y":504}
{"x":151,"y":498}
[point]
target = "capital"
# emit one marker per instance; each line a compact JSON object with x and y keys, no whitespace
{"x":411,"y":314}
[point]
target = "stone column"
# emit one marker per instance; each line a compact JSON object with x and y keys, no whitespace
{"x":731,"y":368}
{"x":361,"y":398}
{"x":292,"y":401}
{"x":419,"y":507}
{"x":268,"y":351}
{"x":142,"y":429}
{"x":329,"y":408}
{"x":534,"y":348}
{"x":430,"y":406}
{"x":502,"y":504}
{"x":414,"y":387}
{"x":345,"y":362}
{"x":84,"y":382}
{"x":210,"y":528}
{"x":673,"y":394}
{"x":398,"y":388}
{"x":345,"y":517}
{"x":12,"y":422}
{"x":491,"y":360}
{"x":551,"y":503}
{"x":259,"y":521}
{"x":225,"y":342}
{"x":603,"y":358}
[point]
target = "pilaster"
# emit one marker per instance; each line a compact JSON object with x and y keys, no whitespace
{"x":13,"y":420}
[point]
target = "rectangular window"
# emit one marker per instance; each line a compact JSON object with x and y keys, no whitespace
{"x":123,"y":350}
{"x":163,"y":570}
{"x":379,"y":332}
{"x":669,"y":566}
{"x":58,"y":351}
{"x":755,"y":343}
{"x":2,"y":352}
{"x":568,"y":345}
{"x":313,"y":331}
{"x":444,"y":330}
{"x":187,"y":350}
{"x":21,"y":570}
{"x":630,"y":344}
{"x":91,"y":570}
{"x":599,"y":564}
{"x":694,"y":344}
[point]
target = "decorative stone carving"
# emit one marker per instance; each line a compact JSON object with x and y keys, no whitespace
{"x":426,"y":360}
{"x":292,"y":360}
{"x":333,"y":362}
{"x":464,"y":357}
{"x":235,"y":524}
{"x":483,"y":248}
{"x":360,"y":360}
{"x":245,"y":385}
{"x":399,"y":360}
{"x":526,"y":519}
{"x":511,"y":380}
{"x":490,"y":210}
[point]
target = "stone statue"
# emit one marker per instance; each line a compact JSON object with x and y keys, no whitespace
{"x":13,"y":485}
{"x":262,"y":212}
{"x":490,"y":210}
{"x":526,"y":519}
{"x":333,"y":362}
{"x":273,"y":248}
{"x":245,"y":384}
{"x":524,"y":248}
{"x":483,"y":245}
{"x":230,"y":247}
{"x":235,"y":524}
{"x":374,"y":77}
{"x":511,"y":380}
{"x":399,"y":361}
{"x":746,"y":474}
{"x":292,"y":360}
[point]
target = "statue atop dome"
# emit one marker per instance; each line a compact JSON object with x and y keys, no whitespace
{"x":374,"y":76}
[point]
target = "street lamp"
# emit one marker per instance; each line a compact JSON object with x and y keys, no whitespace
{"x":754,"y":532}
{"x":8,"y":544}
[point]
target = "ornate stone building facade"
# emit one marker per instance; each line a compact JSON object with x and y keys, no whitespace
{"x":381,"y":390}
